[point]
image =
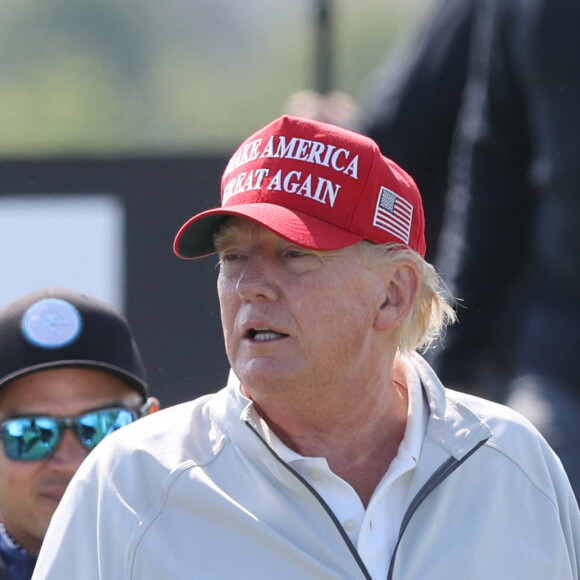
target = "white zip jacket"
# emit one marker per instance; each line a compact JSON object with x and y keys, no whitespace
{"x":193,"y":492}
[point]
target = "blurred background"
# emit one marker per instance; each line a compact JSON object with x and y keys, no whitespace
{"x":102,"y":77}
{"x":116,"y":120}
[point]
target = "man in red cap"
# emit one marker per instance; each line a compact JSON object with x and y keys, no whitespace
{"x":334,"y":451}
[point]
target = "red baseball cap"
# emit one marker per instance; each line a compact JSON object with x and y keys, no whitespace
{"x":316,"y":185}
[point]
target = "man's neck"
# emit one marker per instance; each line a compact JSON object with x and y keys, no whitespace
{"x":358,"y":446}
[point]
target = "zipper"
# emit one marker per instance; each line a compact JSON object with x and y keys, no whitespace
{"x":444,"y":471}
{"x":326,"y":507}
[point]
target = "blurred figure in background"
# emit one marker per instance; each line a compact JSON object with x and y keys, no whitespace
{"x":511,"y":243}
{"x":70,"y":374}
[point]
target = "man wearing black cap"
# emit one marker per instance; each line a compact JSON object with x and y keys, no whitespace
{"x":334,"y":452}
{"x":70,"y":374}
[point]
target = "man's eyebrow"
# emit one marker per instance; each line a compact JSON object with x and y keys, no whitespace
{"x":222,"y":240}
{"x":225,"y":234}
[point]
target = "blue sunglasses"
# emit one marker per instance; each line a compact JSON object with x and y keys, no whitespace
{"x":37,"y":436}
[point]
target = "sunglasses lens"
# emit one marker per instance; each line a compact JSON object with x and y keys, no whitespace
{"x":29,"y":439}
{"x":92,"y":428}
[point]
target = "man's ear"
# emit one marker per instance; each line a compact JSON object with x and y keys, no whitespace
{"x":400,"y":296}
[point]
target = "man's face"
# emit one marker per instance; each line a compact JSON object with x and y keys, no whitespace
{"x":31,"y":490}
{"x":292,"y":317}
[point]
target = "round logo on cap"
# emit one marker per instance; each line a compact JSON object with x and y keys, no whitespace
{"x":51,"y":323}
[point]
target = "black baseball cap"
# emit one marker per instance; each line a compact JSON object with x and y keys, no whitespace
{"x":55,"y":328}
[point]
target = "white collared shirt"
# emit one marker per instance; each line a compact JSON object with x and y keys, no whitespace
{"x":373,"y":531}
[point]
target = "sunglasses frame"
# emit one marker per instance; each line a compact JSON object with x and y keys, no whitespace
{"x":62,"y":423}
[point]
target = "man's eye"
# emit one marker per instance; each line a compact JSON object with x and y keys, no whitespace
{"x":300,"y":253}
{"x":296,"y":254}
{"x":229,"y":257}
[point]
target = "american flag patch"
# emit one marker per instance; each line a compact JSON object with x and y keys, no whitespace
{"x":393,"y":214}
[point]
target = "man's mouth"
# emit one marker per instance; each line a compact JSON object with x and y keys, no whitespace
{"x":264,"y":334}
{"x":54,"y":492}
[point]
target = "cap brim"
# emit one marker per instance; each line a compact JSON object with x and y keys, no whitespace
{"x":195,"y":239}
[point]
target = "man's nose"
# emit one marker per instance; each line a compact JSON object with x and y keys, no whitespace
{"x":257,"y":279}
{"x":70,"y":452}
